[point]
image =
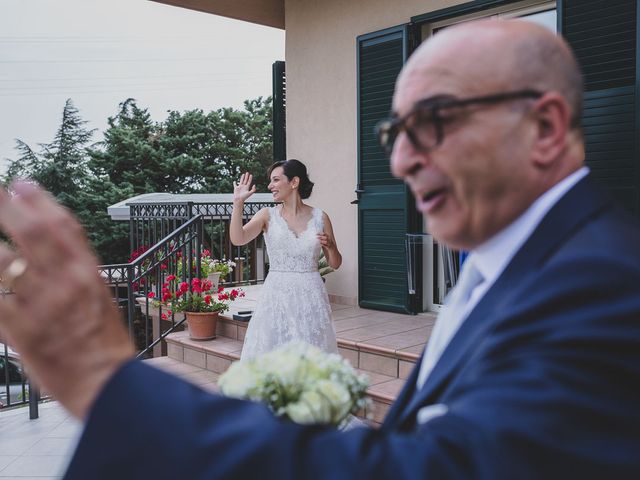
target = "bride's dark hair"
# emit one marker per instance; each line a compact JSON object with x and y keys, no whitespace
{"x":295,"y":168}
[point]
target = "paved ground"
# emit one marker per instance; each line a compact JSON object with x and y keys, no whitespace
{"x":36,"y":449}
{"x":42,"y":448}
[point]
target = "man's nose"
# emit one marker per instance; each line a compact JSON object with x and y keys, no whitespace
{"x":405,"y":159}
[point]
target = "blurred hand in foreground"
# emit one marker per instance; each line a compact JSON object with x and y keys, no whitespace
{"x":60,"y":317}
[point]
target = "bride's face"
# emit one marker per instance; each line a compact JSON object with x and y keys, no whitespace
{"x":280,"y":186}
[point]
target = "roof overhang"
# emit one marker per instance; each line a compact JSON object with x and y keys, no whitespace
{"x":263,"y":12}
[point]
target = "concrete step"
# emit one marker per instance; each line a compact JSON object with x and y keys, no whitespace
{"x":366,"y":355}
{"x":372,"y":358}
{"x":196,"y":375}
{"x":216,"y":356}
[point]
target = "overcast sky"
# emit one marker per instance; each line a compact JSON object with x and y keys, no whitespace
{"x":101,"y":52}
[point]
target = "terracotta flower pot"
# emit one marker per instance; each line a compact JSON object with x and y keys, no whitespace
{"x":202,"y":325}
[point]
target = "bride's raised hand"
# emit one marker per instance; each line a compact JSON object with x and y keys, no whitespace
{"x":244,"y":188}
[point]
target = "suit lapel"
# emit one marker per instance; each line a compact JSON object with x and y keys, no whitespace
{"x":575,"y":208}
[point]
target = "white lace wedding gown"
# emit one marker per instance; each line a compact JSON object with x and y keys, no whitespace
{"x":294,"y":304}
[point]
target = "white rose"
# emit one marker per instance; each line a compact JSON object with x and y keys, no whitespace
{"x":299,"y":412}
{"x":241,"y":380}
{"x":285,"y":367}
{"x":337,"y":397}
{"x":310,"y":408}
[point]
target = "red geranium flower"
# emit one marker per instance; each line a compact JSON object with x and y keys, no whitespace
{"x":196,"y":297}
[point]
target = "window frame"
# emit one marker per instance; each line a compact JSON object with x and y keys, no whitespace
{"x":513,"y":9}
{"x":434,"y":285}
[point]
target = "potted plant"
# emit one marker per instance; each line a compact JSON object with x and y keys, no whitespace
{"x":200,"y":303}
{"x":218,"y":269}
{"x":210,"y":268}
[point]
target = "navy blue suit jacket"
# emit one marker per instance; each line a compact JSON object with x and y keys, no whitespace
{"x":541,"y":381}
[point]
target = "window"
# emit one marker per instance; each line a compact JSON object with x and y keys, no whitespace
{"x":542,"y":12}
{"x":439,"y":263}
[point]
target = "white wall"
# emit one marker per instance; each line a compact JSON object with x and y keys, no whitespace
{"x":321,"y":106}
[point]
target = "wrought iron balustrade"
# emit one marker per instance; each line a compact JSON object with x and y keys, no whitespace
{"x":149,"y":222}
{"x":167,"y":238}
{"x":14,"y":386}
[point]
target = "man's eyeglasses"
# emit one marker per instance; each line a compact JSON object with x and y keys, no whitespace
{"x":424,"y":123}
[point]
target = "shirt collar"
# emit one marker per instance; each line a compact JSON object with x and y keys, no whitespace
{"x":492,"y":257}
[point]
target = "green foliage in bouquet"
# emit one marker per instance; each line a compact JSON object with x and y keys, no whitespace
{"x":323,"y":265}
{"x":299,"y":382}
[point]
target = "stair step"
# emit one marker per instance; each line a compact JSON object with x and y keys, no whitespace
{"x":196,"y":375}
{"x":373,"y":358}
{"x":362,"y":354}
{"x":218,"y":354}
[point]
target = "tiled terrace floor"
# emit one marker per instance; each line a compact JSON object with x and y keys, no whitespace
{"x":391,"y":331}
{"x":40,"y":448}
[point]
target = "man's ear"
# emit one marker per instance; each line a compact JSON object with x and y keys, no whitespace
{"x":553,"y":117}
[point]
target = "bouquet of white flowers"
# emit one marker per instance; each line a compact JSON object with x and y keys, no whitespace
{"x":299,"y":382}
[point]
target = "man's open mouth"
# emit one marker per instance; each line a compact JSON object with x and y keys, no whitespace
{"x":427,"y":197}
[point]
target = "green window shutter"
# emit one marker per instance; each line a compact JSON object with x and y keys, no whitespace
{"x":604,"y":36}
{"x":279,"y":112}
{"x":385,"y":207}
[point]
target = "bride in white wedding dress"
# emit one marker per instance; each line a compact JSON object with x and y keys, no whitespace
{"x":294,"y":304}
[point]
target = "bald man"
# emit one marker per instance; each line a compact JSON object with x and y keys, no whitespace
{"x":532,"y":370}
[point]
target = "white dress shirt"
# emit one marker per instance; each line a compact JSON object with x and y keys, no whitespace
{"x":491,"y":258}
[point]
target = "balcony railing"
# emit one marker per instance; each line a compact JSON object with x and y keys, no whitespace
{"x":168,"y":237}
{"x":16,"y":389}
{"x":14,"y":386}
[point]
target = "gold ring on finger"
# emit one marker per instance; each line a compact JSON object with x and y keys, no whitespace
{"x":13,"y":272}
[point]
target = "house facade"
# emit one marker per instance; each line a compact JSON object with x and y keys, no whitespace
{"x":341,"y":61}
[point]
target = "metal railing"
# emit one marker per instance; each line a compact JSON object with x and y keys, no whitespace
{"x":166,"y":239}
{"x":426,"y":257}
{"x":16,"y":388}
{"x":149,"y":222}
{"x":169,"y":237}
{"x":132,"y":282}
{"x":14,"y":385}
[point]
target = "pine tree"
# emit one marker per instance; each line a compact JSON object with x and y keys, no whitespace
{"x":190,"y":152}
{"x":60,"y":166}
